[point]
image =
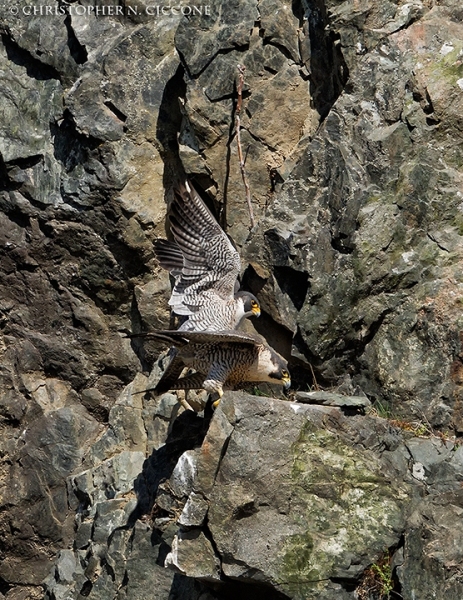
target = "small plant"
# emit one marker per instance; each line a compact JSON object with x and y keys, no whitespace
{"x":418,"y":428}
{"x":384,"y":411}
{"x":382,"y":570}
{"x":256,"y":391}
{"x":377,"y":582}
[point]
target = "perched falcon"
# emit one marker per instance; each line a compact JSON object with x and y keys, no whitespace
{"x":205,"y":266}
{"x":221,"y":359}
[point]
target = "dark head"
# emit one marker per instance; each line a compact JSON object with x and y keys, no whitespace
{"x":274,"y":366}
{"x":282,"y":376}
{"x":251,"y":304}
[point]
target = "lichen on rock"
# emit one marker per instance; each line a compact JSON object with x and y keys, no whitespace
{"x":351,"y":130}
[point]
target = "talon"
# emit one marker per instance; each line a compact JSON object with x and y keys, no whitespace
{"x":216,"y":403}
{"x":186,"y":405}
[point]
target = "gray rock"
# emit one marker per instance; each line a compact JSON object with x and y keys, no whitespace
{"x":280,"y":26}
{"x":434,"y":539}
{"x":66,"y":566}
{"x":194,"y":512}
{"x":351,"y":129}
{"x":183,"y":475}
{"x":349,"y":232}
{"x":147,"y":577}
{"x":192,"y":554}
{"x":262,"y":526}
{"x":457,"y":461}
{"x":29,"y":105}
{"x":92,"y":117}
{"x":332,"y":399}
{"x":111,"y":515}
{"x":228,"y":27}
{"x":430,"y":452}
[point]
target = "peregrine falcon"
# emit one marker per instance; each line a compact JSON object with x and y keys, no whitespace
{"x":221,"y":359}
{"x":205,"y":266}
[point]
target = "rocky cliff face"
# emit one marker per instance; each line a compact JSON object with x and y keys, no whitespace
{"x":351,"y":127}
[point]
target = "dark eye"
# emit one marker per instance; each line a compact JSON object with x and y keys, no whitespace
{"x":285,"y":373}
{"x":254,"y":303}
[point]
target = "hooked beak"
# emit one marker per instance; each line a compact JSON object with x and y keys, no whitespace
{"x":286,"y":381}
{"x":255,"y":311}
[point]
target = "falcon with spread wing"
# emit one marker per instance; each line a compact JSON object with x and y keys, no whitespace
{"x":205,"y":266}
{"x":221,"y":359}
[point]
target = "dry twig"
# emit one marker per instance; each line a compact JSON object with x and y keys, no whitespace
{"x":239,"y":102}
{"x":315,"y":384}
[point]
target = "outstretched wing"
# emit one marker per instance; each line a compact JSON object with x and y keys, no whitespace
{"x":169,"y":255}
{"x":209,"y":260}
{"x":180,"y":338}
{"x":227,"y":357}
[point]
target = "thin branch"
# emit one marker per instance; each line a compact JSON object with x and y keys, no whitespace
{"x":317,"y":387}
{"x":239,"y":102}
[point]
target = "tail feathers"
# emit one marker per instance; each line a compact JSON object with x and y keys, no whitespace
{"x":171,"y":379}
{"x":194,"y":381}
{"x":170,"y":375}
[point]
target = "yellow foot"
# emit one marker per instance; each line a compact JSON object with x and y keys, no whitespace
{"x":216,"y":403}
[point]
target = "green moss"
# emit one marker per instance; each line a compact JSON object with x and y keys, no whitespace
{"x":455,"y":157}
{"x":344,"y":506}
{"x":448,"y":67}
{"x":298,"y":557}
{"x":458,"y":223}
{"x":323,"y":462}
{"x":299,"y":576}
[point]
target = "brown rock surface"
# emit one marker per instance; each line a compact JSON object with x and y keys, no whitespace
{"x":351,"y":128}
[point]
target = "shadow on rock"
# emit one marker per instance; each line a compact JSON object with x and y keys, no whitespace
{"x":188,"y":431}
